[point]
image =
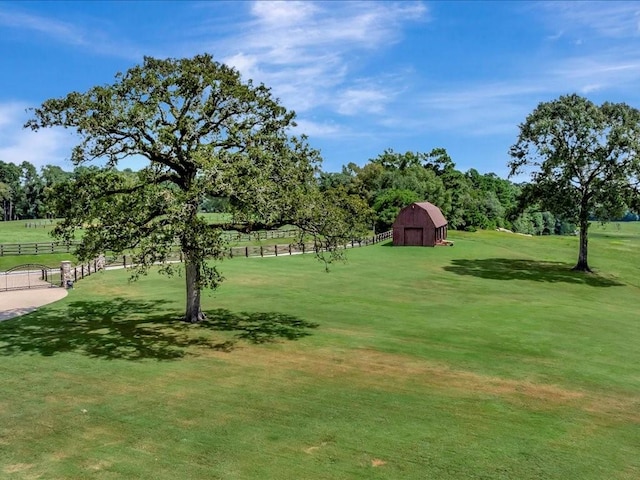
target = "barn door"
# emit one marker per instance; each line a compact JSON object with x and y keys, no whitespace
{"x":413,"y":236}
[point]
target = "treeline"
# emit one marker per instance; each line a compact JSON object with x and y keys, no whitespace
{"x":23,"y":190}
{"x":469,"y":200}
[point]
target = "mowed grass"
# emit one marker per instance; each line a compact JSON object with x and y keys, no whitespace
{"x":27,"y":231}
{"x":489,"y":359}
{"x":39,"y":231}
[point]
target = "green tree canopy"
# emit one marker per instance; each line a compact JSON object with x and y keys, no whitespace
{"x":10,"y":177}
{"x":583,"y":160}
{"x":204,"y":133}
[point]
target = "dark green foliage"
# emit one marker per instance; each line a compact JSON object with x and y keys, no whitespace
{"x":393,"y":180}
{"x":388,"y":204}
{"x":23,"y":191}
{"x":583,"y":160}
{"x":205,"y":134}
{"x":215,"y":205}
{"x":333,"y":218}
{"x":9,"y":189}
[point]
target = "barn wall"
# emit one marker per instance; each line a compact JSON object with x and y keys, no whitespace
{"x":398,"y":236}
{"x":408,"y":220}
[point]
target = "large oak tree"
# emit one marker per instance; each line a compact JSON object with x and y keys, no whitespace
{"x":203,"y":133}
{"x":583,"y":160}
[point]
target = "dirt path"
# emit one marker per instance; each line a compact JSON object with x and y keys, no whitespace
{"x":20,"y":302}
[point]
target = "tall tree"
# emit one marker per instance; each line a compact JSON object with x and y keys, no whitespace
{"x":10,"y":176}
{"x":29,"y":204}
{"x":392,"y":179}
{"x":51,"y":176}
{"x":457,"y":185}
{"x":205,"y":133}
{"x":391,"y":160}
{"x":5,"y":194}
{"x":583,"y":160}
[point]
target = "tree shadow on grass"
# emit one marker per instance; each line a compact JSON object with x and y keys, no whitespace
{"x":129,"y":329}
{"x":259,"y":327}
{"x":518,"y":269}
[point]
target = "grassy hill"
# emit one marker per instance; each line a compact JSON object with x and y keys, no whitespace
{"x":486,"y":360}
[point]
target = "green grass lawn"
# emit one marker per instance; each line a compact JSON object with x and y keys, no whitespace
{"x":39,"y":231}
{"x":486,"y":360}
{"x":17,"y":231}
{"x":32,"y":231}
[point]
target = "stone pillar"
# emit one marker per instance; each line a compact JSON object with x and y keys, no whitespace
{"x":65,"y":272}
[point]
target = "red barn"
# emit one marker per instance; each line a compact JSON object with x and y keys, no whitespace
{"x":420,"y":224}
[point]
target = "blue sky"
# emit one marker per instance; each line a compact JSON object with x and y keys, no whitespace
{"x":362,"y":76}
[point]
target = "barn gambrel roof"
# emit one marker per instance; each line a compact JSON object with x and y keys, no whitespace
{"x":434,"y":213}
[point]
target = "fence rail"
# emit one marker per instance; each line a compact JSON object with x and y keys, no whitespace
{"x":278,"y":250}
{"x":40,"y":276}
{"x":40,"y":248}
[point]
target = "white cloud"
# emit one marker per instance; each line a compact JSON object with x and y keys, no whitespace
{"x":357,"y":101}
{"x":608,"y":69}
{"x":281,"y":13}
{"x":41,"y":148}
{"x":47,"y":146}
{"x":479,"y":110}
{"x":308,"y":51}
{"x":317,"y":129}
{"x":594,"y":87}
{"x":612,"y":19}
{"x":312,"y":54}
{"x":9,"y":112}
{"x":495,"y":108}
{"x":296,"y":26}
{"x":246,"y":64}
{"x":91,"y":39}
{"x":61,"y":31}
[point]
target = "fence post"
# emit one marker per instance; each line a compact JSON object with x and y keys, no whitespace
{"x":261,"y":251}
{"x":246,"y":252}
{"x":289,"y":249}
{"x":276,"y":249}
{"x":65,"y":272}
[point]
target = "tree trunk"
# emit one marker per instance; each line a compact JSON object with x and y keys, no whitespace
{"x":193,"y":313}
{"x":583,"y":265}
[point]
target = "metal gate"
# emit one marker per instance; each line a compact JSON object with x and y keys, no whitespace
{"x":29,"y":275}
